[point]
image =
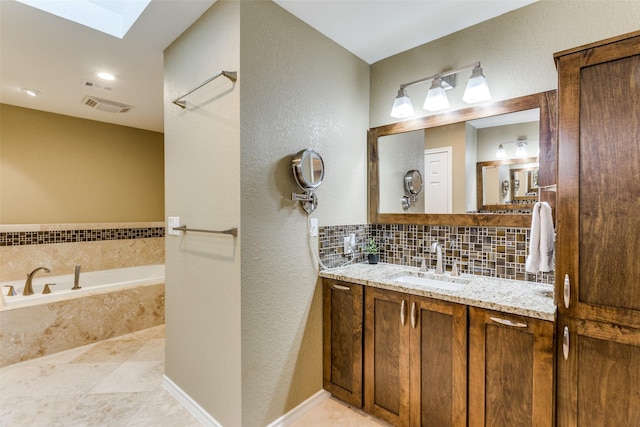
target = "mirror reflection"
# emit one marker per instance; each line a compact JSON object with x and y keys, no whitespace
{"x":507,"y":185}
{"x":447,"y":157}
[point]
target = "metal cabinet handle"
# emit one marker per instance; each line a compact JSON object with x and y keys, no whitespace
{"x":565,"y":343}
{"x":341,"y":288}
{"x":567,"y":290}
{"x":508,"y":322}
{"x":413,"y":315}
{"x":402,"y":313}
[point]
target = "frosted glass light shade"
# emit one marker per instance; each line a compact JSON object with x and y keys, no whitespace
{"x":521,"y":151}
{"x":436,"y":97}
{"x":402,"y":106}
{"x":501,"y":153}
{"x":477,"y":89}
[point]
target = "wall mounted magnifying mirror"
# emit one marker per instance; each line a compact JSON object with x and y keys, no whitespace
{"x":308,"y":171}
{"x":454,"y":143}
{"x":412,"y":188}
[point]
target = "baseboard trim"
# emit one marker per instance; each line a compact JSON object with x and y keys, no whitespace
{"x":301,"y":409}
{"x":191,"y":405}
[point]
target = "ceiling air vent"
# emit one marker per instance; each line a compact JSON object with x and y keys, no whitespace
{"x":106,"y":105}
{"x":95,"y":85}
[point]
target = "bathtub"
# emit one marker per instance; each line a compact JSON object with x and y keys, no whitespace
{"x":110,"y":303}
{"x":90,"y":283}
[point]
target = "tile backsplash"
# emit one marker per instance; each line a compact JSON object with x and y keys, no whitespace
{"x":488,"y":251}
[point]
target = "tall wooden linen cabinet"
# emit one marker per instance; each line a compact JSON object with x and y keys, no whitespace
{"x":598,"y":234}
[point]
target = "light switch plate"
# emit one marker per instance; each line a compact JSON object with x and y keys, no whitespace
{"x":313,"y":227}
{"x":172,"y":222}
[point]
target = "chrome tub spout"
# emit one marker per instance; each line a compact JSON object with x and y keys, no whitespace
{"x":28,"y":287}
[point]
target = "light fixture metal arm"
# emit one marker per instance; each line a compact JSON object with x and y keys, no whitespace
{"x":443,"y":74}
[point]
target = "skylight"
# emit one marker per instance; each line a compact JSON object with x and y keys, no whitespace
{"x":114,"y":17}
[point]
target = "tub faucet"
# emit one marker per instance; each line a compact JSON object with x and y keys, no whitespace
{"x":437,"y":248}
{"x":76,"y":278}
{"x":28,"y":288}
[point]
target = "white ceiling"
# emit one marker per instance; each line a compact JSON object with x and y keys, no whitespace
{"x":55,"y":56}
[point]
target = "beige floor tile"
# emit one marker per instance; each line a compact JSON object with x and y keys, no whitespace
{"x":131,"y":377}
{"x":151,"y":350}
{"x":331,"y":413}
{"x":110,"y":351}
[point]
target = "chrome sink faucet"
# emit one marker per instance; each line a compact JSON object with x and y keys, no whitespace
{"x":28,"y":288}
{"x":437,"y":248}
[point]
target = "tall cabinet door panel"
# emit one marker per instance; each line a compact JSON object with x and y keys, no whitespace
{"x":510,"y":370}
{"x":438,"y":363}
{"x":386,"y":364}
{"x":598,"y":374}
{"x":342,"y":340}
{"x":599,"y":181}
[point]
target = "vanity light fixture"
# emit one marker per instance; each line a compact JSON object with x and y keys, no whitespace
{"x":477,"y":90}
{"x":521,"y":151}
{"x":501,"y":153}
{"x":436,"y":97}
{"x":402,"y":106}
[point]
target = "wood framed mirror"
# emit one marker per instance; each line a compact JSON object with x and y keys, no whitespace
{"x":383,"y":211}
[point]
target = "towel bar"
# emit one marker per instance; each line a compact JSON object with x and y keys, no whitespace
{"x":232,"y":231}
{"x":231,"y":75}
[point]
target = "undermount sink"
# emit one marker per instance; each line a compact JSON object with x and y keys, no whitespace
{"x":434,"y":281}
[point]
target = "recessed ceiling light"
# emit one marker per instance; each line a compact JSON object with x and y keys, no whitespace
{"x":31,"y":92}
{"x":106,"y":76}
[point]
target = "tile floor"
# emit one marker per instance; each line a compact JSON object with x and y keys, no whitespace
{"x":117,"y":382}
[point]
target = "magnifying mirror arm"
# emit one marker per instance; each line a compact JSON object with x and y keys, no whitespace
{"x":308,"y":198}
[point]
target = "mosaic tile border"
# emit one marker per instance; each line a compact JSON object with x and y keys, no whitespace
{"x":20,"y":238}
{"x":488,"y":251}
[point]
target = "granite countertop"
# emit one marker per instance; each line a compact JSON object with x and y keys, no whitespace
{"x":509,"y":296}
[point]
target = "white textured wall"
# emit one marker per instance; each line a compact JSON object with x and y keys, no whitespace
{"x":202,"y":149}
{"x":516,"y":51}
{"x":401,"y":152}
{"x":299,"y":90}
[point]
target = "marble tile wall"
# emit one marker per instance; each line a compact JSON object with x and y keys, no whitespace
{"x":39,"y":330}
{"x":94,"y":246}
{"x":488,"y":251}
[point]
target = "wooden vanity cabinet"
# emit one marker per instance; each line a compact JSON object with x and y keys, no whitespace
{"x":597,"y":272}
{"x":511,"y":370}
{"x":415,"y":359}
{"x":342,"y":340}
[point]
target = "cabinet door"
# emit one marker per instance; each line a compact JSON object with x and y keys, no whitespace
{"x":438,"y":363}
{"x":598,"y":374}
{"x":342,"y":341}
{"x":510,"y":370}
{"x":599,"y":181}
{"x":386,"y":360}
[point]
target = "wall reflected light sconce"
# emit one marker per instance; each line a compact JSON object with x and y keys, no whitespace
{"x":521,"y":151}
{"x":477,"y":90}
{"x":521,"y":148}
{"x":31,"y":92}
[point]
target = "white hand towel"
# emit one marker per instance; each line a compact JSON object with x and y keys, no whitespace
{"x":541,"y":240}
{"x":547,"y":237}
{"x":533,"y":260}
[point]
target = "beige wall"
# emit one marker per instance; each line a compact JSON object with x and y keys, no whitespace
{"x":202,"y":147}
{"x":516,"y":51}
{"x":61,"y":169}
{"x":244,"y":321}
{"x":299,"y":90}
{"x":401,"y":152}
